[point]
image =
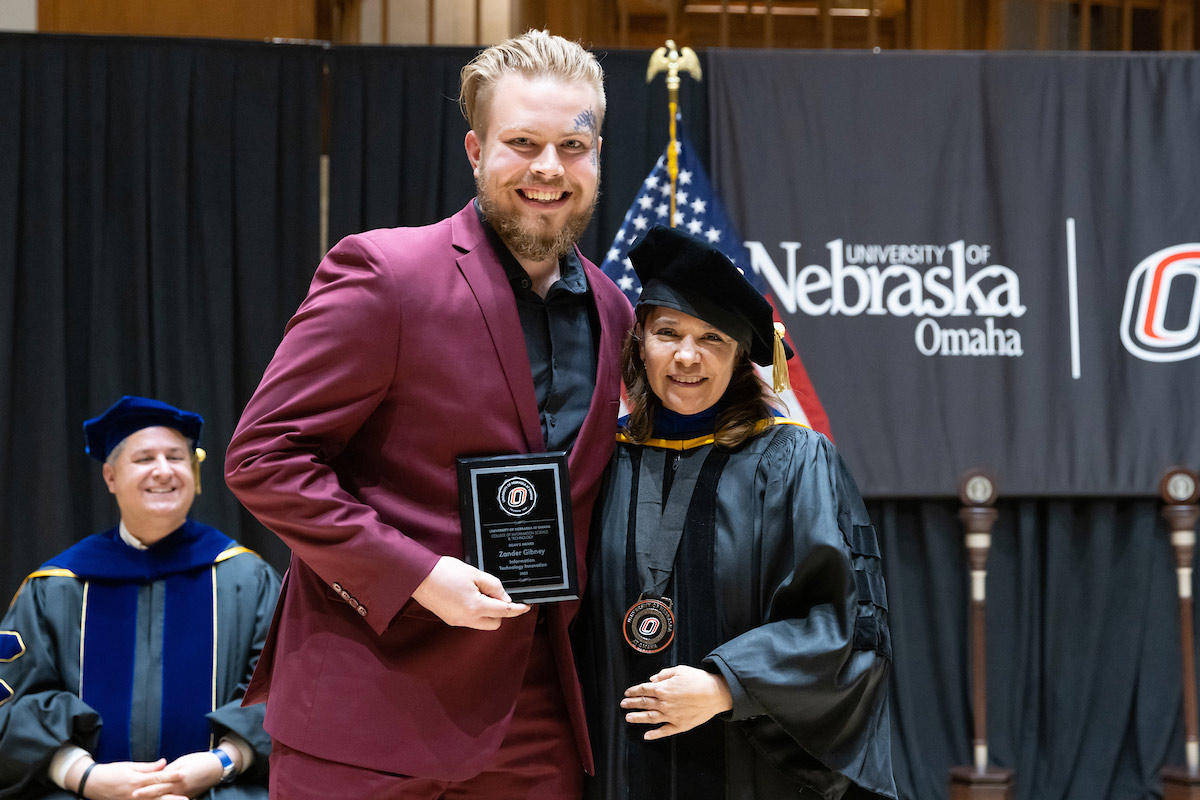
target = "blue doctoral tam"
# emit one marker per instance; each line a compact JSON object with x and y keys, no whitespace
{"x":130,"y":414}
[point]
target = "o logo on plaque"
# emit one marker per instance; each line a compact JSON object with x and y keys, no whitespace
{"x":516,"y":497}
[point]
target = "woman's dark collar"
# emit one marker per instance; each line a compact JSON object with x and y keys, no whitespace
{"x":669,"y":424}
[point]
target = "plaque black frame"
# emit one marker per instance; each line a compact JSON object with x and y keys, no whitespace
{"x":505,"y":543}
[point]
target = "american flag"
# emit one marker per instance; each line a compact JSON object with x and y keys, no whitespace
{"x":699,"y":211}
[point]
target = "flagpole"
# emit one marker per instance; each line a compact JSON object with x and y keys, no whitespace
{"x":672,"y":61}
{"x":695,"y":207}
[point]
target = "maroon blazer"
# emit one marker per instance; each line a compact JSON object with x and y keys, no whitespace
{"x":407,"y":353}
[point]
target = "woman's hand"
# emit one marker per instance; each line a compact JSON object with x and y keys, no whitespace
{"x":676,"y":699}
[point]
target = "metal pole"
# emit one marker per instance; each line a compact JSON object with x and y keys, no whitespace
{"x":977,"y":491}
{"x":671,"y":60}
{"x":978,"y":520}
{"x":1179,"y":489}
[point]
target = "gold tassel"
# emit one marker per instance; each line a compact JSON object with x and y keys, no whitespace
{"x":779,"y":371}
{"x":197,"y":460}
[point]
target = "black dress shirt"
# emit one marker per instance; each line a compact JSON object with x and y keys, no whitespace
{"x":561,"y":338}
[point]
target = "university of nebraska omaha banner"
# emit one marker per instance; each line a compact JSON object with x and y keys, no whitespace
{"x":986,"y":260}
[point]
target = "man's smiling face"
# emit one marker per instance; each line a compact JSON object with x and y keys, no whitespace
{"x":152,"y":479}
{"x":537,"y":165}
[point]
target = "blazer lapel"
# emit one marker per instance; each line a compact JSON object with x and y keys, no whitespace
{"x":608,"y":371}
{"x":482,"y":270}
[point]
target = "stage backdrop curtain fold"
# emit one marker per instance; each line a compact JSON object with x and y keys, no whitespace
{"x":159,"y":197}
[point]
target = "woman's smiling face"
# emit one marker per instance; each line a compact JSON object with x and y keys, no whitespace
{"x":688,"y":362}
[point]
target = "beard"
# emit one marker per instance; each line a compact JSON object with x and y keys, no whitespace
{"x":532,"y":239}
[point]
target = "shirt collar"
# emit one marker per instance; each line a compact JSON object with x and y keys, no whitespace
{"x":129,"y":539}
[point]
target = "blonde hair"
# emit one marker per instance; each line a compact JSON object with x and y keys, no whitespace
{"x":534,"y":54}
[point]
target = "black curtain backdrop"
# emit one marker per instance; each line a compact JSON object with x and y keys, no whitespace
{"x":1083,"y":693}
{"x":159,"y":223}
{"x":157,"y":197}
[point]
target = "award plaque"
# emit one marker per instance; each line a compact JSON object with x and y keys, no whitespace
{"x":516,"y":523}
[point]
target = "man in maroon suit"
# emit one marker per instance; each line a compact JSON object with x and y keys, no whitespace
{"x":394,"y":669}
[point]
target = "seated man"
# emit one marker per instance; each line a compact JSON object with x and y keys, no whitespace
{"x":123,"y":660}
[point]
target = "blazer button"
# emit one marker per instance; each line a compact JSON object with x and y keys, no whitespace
{"x":345,"y":595}
{"x":337,"y":587}
{"x":362,"y":611}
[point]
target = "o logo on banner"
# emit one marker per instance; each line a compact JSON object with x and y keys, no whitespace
{"x":516,"y":497}
{"x":1144,"y":330}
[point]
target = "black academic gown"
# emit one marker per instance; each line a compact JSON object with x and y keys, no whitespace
{"x":777,"y":587}
{"x":40,"y":704}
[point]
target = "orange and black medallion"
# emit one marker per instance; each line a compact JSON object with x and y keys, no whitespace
{"x":649,"y":625}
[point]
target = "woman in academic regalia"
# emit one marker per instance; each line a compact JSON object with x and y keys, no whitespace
{"x":734,"y":639}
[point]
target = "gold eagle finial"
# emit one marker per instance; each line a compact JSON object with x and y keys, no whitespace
{"x":672,"y":60}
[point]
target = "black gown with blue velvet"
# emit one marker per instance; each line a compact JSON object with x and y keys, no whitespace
{"x":110,"y":622}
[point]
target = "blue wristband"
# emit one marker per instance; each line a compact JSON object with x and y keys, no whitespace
{"x":228,"y":773}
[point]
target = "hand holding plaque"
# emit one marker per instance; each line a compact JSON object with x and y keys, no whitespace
{"x":516,"y":522}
